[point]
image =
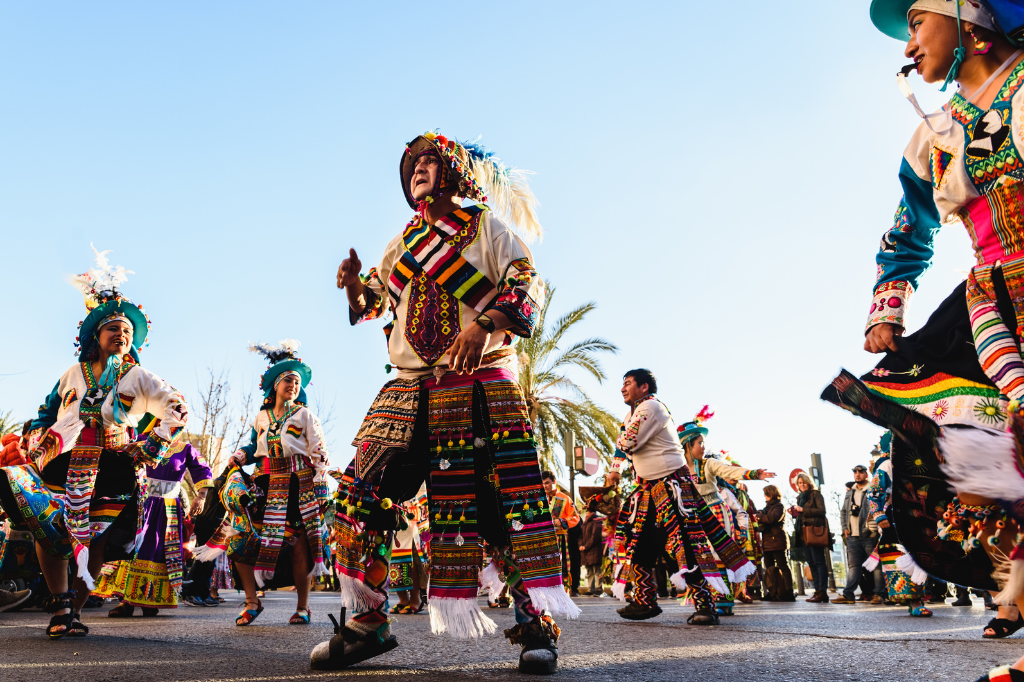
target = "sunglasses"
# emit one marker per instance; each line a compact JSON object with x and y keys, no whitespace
{"x":860,"y":470}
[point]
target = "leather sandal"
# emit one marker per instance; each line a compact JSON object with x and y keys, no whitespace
{"x":59,"y":602}
{"x":301,"y":617}
{"x":348,"y":647}
{"x":1003,"y":627}
{"x":122,"y":610}
{"x":77,"y":629}
{"x":247,"y":616}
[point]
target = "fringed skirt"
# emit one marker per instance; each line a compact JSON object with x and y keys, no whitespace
{"x":949,"y":420}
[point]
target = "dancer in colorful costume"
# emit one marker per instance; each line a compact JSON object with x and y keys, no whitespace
{"x":460,"y":285}
{"x":80,"y":495}
{"x":904,"y":580}
{"x":568,"y":529}
{"x":287,"y":446}
{"x":954,"y":386}
{"x":706,"y":472}
{"x":408,"y":567}
{"x":152,"y":580}
{"x":744,"y":519}
{"x":664,"y":512}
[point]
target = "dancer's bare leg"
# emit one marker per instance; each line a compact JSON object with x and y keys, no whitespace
{"x":301,"y":570}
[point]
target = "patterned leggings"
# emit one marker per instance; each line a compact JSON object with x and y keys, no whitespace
{"x":651,"y":545}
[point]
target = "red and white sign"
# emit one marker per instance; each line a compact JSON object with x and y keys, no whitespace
{"x":792,"y":478}
{"x":591,"y":462}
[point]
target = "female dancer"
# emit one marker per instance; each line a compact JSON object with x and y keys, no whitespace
{"x":79,"y":495}
{"x":288,"y":448}
{"x":956,"y":514}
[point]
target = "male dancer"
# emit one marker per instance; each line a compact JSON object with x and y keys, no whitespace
{"x":459,"y":284}
{"x":663,"y":511}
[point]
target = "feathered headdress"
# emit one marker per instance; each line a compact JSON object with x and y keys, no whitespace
{"x":101,"y":283}
{"x":481,"y":176}
{"x":282,"y":359}
{"x":704,"y":415}
{"x":275,"y":354}
{"x":100,"y":287}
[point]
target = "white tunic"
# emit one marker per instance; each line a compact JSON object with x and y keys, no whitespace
{"x":650,"y":442}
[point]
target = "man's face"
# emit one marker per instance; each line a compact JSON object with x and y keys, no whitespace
{"x":424,"y":176}
{"x":631,"y":392}
{"x":549,"y":486}
{"x":860,"y":475}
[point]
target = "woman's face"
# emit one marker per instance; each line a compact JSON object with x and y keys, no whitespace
{"x":696,"y":447}
{"x":933,"y":37}
{"x":288,"y":388}
{"x":802,"y":485}
{"x":115,"y":338}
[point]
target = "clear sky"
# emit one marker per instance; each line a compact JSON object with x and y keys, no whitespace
{"x":716,"y":176}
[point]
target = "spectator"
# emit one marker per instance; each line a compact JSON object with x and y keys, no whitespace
{"x":592,"y":548}
{"x":809,"y":511}
{"x":567,"y":527}
{"x":860,"y":539}
{"x":778,"y":577}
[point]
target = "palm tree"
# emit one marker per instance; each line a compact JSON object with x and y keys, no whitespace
{"x":557,"y":404}
{"x":9,"y":425}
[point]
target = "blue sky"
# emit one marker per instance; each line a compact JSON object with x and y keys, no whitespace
{"x":716,"y":177}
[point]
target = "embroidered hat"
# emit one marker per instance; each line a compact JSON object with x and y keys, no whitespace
{"x":692,"y":429}
{"x":890,"y":16}
{"x":105,"y":303}
{"x":283,"y":360}
{"x":473,"y":171}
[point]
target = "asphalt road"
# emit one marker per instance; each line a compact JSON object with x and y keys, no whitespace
{"x":764,"y":641}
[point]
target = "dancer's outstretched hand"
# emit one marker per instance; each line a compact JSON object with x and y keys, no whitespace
{"x":348,"y":271}
{"x":882,"y":337}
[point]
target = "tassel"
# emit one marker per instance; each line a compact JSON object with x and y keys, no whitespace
{"x":460,"y":618}
{"x":207,"y":552}
{"x":356,"y":595}
{"x":906,"y":563}
{"x":555,"y":600}
{"x":82,"y":560}
{"x":262,"y":576}
{"x":872,"y":562}
{"x":619,"y":591}
{"x":320,"y":570}
{"x":717,"y":584}
{"x":741,"y":574}
{"x":678,"y":580}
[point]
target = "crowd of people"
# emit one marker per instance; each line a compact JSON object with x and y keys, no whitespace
{"x":104,"y":496}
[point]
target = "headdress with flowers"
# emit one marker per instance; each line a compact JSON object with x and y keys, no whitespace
{"x":692,"y":429}
{"x":474,"y":172}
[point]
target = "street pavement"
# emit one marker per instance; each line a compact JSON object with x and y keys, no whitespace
{"x":764,"y":641}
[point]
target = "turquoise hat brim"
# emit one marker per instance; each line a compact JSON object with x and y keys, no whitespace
{"x":890,"y":17}
{"x":270,"y":376}
{"x":691,"y":433}
{"x":140,"y":325}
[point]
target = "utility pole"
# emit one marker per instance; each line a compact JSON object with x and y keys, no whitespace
{"x":570,"y":454}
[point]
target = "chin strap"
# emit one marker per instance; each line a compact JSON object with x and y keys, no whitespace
{"x":958,"y":53}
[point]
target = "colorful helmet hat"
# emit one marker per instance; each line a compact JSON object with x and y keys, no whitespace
{"x":890,"y":17}
{"x":105,"y":302}
{"x":692,"y":429}
{"x":283,"y":360}
{"x":474,"y":172}
{"x":881,"y":451}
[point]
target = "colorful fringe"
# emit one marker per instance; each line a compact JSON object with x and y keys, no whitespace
{"x":139,"y":583}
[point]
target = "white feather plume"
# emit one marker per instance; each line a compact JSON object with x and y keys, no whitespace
{"x":290,"y":344}
{"x":100,"y":281}
{"x":508,"y":192}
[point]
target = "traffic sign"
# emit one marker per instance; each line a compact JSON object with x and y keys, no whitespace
{"x":792,"y":478}
{"x":591,"y":461}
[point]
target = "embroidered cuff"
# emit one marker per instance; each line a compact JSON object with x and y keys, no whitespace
{"x":751,"y":475}
{"x":153,"y":450}
{"x":889,"y":304}
{"x":374,"y":303}
{"x":514,"y":299}
{"x":205,"y":483}
{"x":620,"y":463}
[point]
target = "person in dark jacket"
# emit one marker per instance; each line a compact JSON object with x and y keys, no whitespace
{"x":197,"y":591}
{"x":778,"y":577}
{"x":810,"y":511}
{"x":592,"y":548}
